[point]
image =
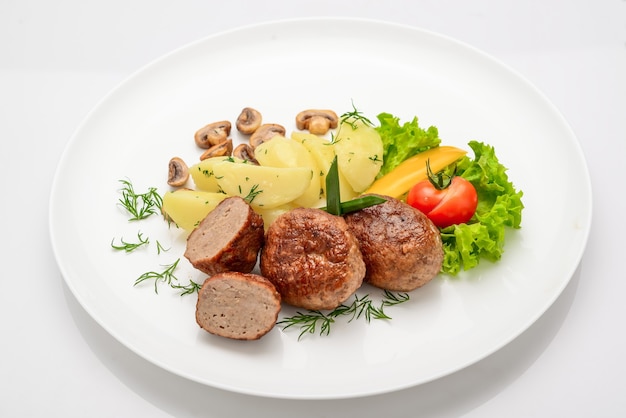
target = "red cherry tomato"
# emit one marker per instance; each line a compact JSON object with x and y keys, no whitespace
{"x":454,"y":204}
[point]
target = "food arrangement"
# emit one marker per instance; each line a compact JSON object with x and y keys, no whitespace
{"x":338,"y":203}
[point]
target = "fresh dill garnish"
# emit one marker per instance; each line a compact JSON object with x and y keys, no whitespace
{"x":188,"y":289}
{"x":391,"y":299}
{"x":139,"y":205}
{"x":361,"y":307}
{"x":130,"y":246}
{"x":309,"y":321}
{"x":350,"y":118}
{"x":354,"y":116}
{"x":161,"y":248}
{"x":376,"y":159}
{"x":333,"y":138}
{"x":253,"y":193}
{"x":167,"y":277}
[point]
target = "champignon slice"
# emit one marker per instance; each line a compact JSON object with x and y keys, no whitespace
{"x":317,"y":121}
{"x":178,"y":172}
{"x":246,"y":153}
{"x":212,"y":134}
{"x":248,"y":121}
{"x":222,"y":149}
{"x":265,"y":133}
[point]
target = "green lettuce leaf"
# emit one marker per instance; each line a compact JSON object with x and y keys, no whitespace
{"x":499,"y":206}
{"x":403,"y":141}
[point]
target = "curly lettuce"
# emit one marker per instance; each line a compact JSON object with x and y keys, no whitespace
{"x":499,"y":203}
{"x":499,"y":206}
{"x":403,"y":141}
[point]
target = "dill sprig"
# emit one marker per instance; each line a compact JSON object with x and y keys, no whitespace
{"x":161,"y":248}
{"x":130,"y":246}
{"x":353,"y":116}
{"x":139,"y":205}
{"x":350,"y":118}
{"x":167,"y":277}
{"x":253,"y":193}
{"x":187,"y":289}
{"x":361,"y":307}
{"x":392,"y":299}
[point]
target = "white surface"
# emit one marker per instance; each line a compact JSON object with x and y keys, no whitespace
{"x":59,"y":59}
{"x":448,"y":325}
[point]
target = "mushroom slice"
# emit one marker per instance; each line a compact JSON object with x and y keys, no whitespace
{"x":245,"y":152}
{"x":178,"y":172}
{"x":220,"y":150}
{"x":317,"y":121}
{"x":249,"y":120}
{"x":212,"y":134}
{"x":265,"y":133}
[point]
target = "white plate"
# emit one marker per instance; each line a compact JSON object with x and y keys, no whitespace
{"x":282,"y":68}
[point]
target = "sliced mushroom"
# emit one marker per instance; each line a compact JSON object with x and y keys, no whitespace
{"x":246,"y":153}
{"x":178,"y":172}
{"x":265,"y":133}
{"x":212,"y":134}
{"x":249,"y":120}
{"x":317,"y":121}
{"x":222,"y":149}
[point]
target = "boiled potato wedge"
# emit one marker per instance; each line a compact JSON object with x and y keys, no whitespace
{"x":263,"y":187}
{"x":203,"y":176}
{"x":270,"y":215}
{"x":283,"y":152}
{"x":323,"y":151}
{"x":345,"y":189}
{"x":359,"y":152}
{"x":188,"y":207}
{"x":287,"y":153}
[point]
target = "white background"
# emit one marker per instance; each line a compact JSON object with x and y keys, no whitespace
{"x":58,"y":59}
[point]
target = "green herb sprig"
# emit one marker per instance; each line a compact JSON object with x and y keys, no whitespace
{"x":253,"y":193}
{"x":167,"y":277}
{"x":361,"y":307}
{"x":130,"y":246}
{"x":161,"y":248}
{"x":187,"y":289}
{"x":139,"y":205}
{"x":354,"y":116}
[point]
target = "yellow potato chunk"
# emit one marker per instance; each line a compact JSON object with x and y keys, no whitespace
{"x":270,"y":215}
{"x":263,"y":187}
{"x":188,"y":207}
{"x":345,"y":189}
{"x":203,"y":176}
{"x":359,"y":152}
{"x":287,"y":153}
{"x":323,"y":151}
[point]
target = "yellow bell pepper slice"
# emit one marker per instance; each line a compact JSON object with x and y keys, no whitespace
{"x":413,"y":170}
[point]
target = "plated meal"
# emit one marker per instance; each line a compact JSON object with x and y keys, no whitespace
{"x":497,"y":272}
{"x":339,"y":203}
